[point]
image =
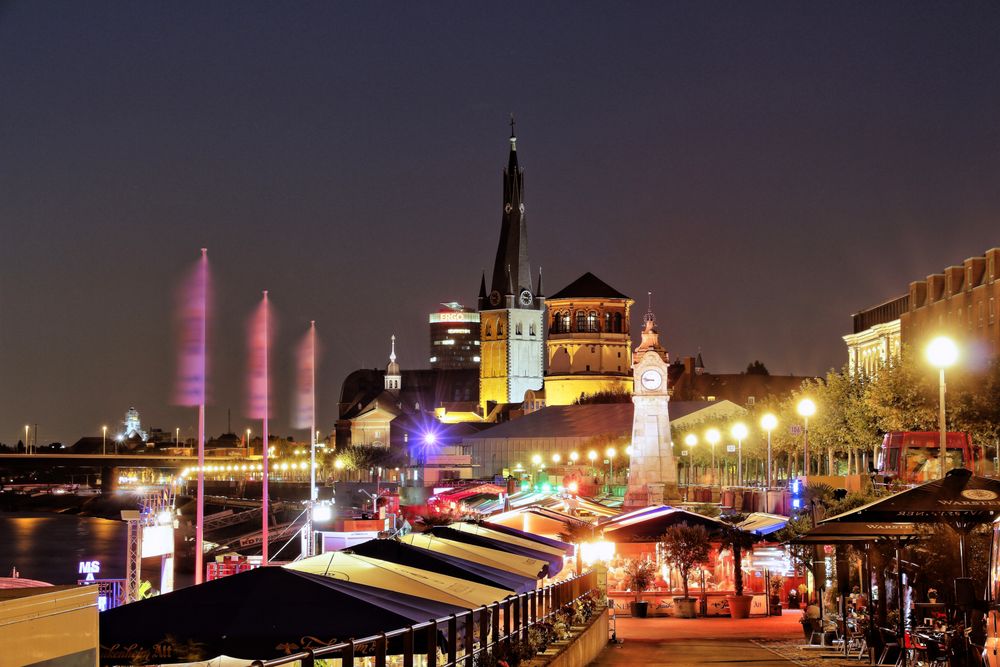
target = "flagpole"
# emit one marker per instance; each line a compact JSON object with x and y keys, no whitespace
{"x":264,"y":544}
{"x":199,"y":532}
{"x":312,"y":434}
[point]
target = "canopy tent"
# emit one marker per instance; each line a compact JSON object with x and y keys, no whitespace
{"x":501,"y":560}
{"x":400,"y":578}
{"x":554,"y":561}
{"x":263,"y":613}
{"x":761,"y":523}
{"x":651,"y":526}
{"x":536,"y":520}
{"x":518,"y":537}
{"x":635,"y":515}
{"x":395,"y":551}
{"x":858,"y":532}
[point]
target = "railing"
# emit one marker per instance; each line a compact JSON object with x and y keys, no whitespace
{"x":485,"y":630}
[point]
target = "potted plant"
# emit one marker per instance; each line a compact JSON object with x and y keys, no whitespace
{"x":684,"y":547}
{"x":739,"y":541}
{"x":639,"y":577}
{"x":774,"y":595}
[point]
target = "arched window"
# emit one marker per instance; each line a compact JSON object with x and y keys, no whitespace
{"x":499,"y":329}
{"x":618,"y":322}
{"x":581,"y":321}
{"x":564,"y":322}
{"x":607,"y":321}
{"x":489,"y":330}
{"x":517,"y":329}
{"x":531,"y":329}
{"x":592,"y":321}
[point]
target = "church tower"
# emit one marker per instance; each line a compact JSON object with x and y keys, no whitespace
{"x":511,"y":322}
{"x":652,"y":477}
{"x":393,"y":378}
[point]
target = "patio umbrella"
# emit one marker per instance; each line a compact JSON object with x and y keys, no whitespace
{"x":961,"y":500}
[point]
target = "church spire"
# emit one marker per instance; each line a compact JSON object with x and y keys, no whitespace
{"x":393,"y":378}
{"x":511,"y":272}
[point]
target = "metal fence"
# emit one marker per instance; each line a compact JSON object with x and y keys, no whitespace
{"x":469,"y":636}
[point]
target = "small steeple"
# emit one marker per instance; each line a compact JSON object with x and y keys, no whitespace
{"x":650,"y":335}
{"x":699,"y":365}
{"x":538,"y":287}
{"x":393,"y":378}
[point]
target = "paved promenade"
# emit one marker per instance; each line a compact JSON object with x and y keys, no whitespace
{"x":655,"y":642}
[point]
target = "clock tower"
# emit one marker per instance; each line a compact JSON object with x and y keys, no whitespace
{"x":652,"y":478}
{"x":512,"y":315}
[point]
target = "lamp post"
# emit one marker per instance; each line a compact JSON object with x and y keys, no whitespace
{"x":806,"y":409}
{"x":27,"y":442}
{"x":690,"y":440}
{"x":574,"y":457}
{"x":942,"y":353}
{"x":768,"y":422}
{"x":739,"y":432}
{"x":592,"y":457}
{"x":611,"y":465}
{"x":713,"y":436}
{"x":104,"y":440}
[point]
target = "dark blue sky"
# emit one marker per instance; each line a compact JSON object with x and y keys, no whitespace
{"x":765,"y":168}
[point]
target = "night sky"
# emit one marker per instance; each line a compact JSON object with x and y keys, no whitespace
{"x":765,"y":168}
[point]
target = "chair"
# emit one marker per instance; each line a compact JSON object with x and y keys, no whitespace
{"x":890,"y":643}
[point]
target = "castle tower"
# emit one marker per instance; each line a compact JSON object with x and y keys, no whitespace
{"x":393,"y":378}
{"x":511,"y":322}
{"x":652,"y":476}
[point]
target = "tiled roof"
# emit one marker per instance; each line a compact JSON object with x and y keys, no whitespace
{"x":588,"y":286}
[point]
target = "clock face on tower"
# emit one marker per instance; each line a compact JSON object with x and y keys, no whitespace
{"x":651,"y":380}
{"x":525,"y":298}
{"x":495,"y":298}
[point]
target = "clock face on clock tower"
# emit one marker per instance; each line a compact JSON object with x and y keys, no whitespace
{"x":651,"y":379}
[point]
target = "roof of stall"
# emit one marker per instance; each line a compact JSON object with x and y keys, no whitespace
{"x":761,"y":523}
{"x":223,"y":617}
{"x":554,"y":560}
{"x":400,"y":578}
{"x":650,"y":526}
{"x":501,"y":560}
{"x":518,"y":537}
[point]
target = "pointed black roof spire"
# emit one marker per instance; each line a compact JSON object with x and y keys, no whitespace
{"x":538,"y":287}
{"x":511,"y":273}
{"x":482,"y":286}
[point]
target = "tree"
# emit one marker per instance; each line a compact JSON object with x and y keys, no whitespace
{"x":684,"y":547}
{"x":757,"y":368}
{"x":639,"y":576}
{"x":617,"y":394}
{"x":740,"y":542}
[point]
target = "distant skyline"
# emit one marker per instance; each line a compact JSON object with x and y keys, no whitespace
{"x":766,"y":169}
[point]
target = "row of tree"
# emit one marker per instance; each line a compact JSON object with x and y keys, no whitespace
{"x":855,"y":411}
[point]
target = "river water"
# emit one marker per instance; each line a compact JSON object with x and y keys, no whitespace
{"x":50,"y":547}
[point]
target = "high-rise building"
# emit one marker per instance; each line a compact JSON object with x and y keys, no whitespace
{"x":454,"y":337}
{"x":512,"y":316}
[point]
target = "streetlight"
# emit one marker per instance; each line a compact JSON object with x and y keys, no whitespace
{"x":104,"y":440}
{"x":556,"y":458}
{"x":713,"y":436}
{"x":739,"y":432}
{"x":177,"y":436}
{"x":27,"y":443}
{"x":610,"y":452}
{"x":574,"y":457}
{"x":768,"y":422}
{"x":942,"y":353}
{"x":690,"y":440}
{"x":806,"y":409}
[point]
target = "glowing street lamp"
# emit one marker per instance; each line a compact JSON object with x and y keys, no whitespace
{"x":537,"y":459}
{"x":104,"y":440}
{"x":27,"y":443}
{"x":574,"y":457}
{"x":690,"y":440}
{"x":739,"y":432}
{"x":610,"y":453}
{"x":806,"y":409}
{"x":942,"y":353}
{"x":713,"y":436}
{"x":768,"y":422}
{"x":556,"y":458}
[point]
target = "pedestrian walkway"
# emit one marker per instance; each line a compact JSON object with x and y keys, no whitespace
{"x":655,"y":642}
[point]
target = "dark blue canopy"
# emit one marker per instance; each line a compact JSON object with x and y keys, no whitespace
{"x":555,"y":562}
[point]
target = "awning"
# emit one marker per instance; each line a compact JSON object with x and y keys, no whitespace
{"x":566,"y":548}
{"x":651,"y":526}
{"x":501,"y":560}
{"x":761,"y":523}
{"x":518,"y":537}
{"x":858,"y":532}
{"x":554,"y":561}
{"x":401,"y":579}
{"x":405,"y":554}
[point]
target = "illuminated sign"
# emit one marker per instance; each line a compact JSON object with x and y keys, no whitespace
{"x":437,"y":318}
{"x":157,"y":540}
{"x":89,"y":568}
{"x":730,"y":448}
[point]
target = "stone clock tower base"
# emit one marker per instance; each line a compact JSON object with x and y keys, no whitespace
{"x":652,"y":476}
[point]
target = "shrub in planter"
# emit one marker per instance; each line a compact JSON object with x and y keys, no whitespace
{"x":639,"y":577}
{"x":684,"y":547}
{"x":739,"y":541}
